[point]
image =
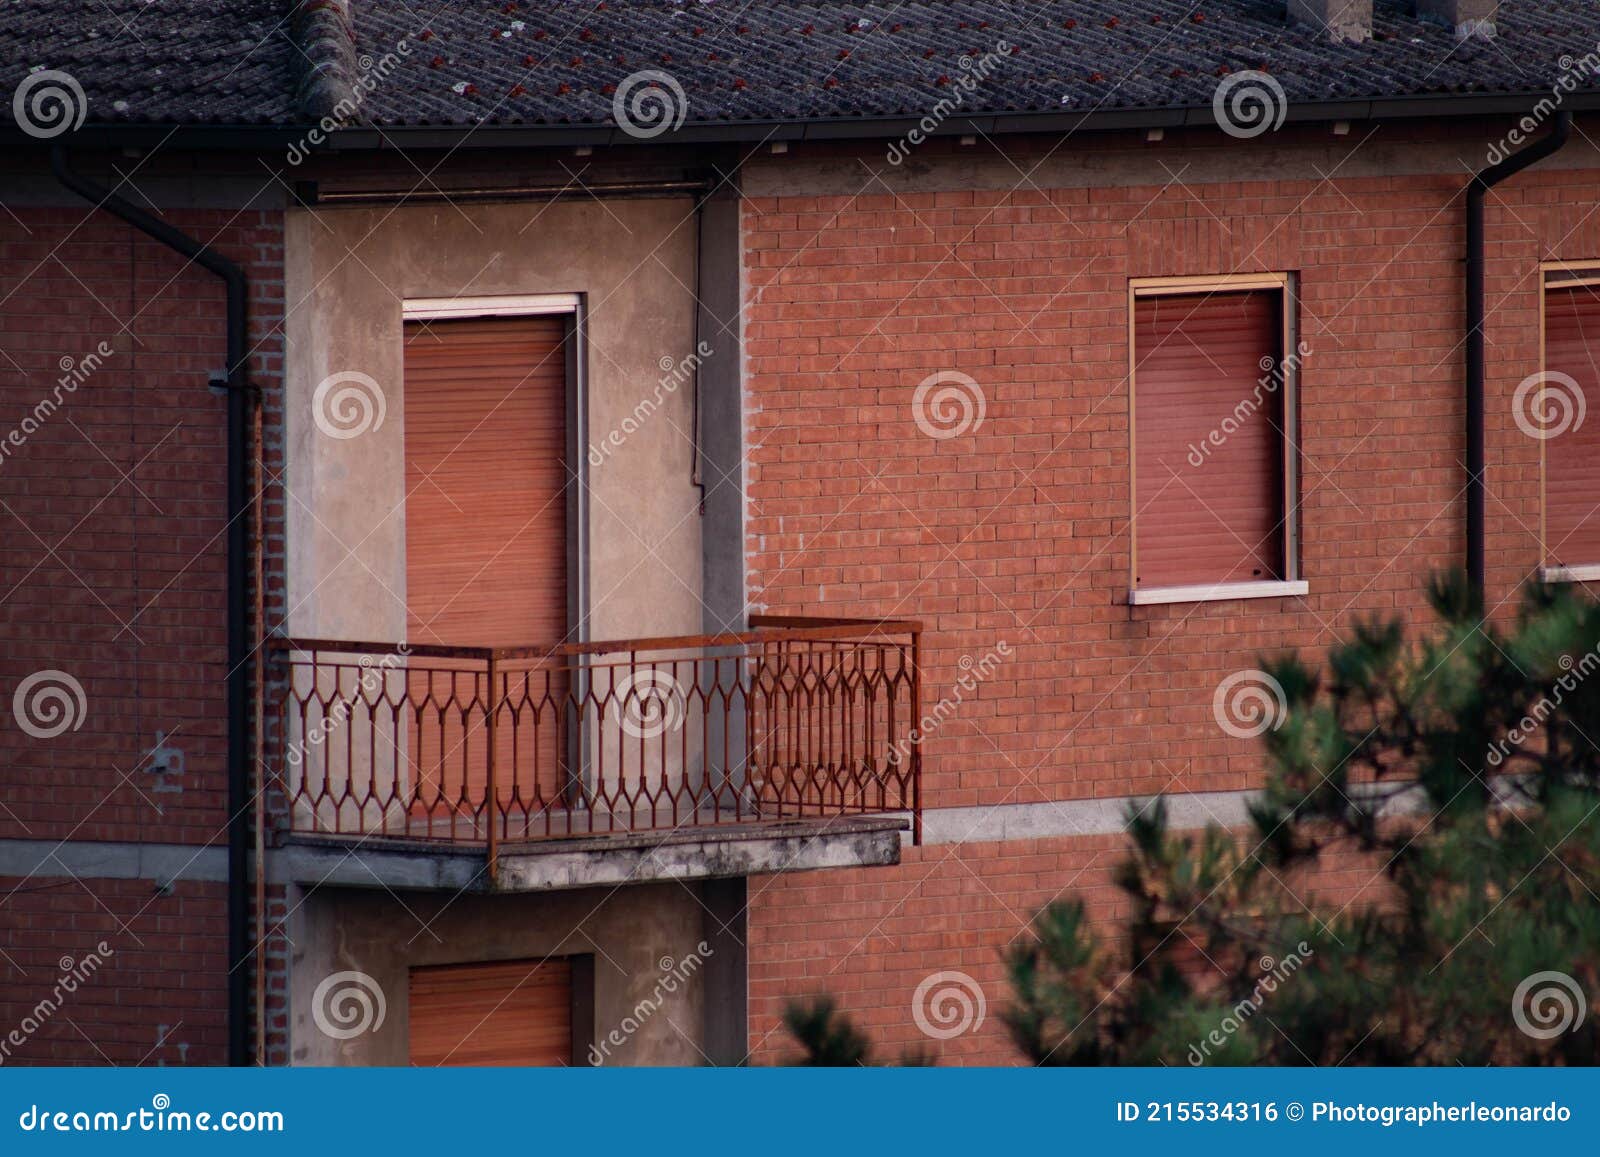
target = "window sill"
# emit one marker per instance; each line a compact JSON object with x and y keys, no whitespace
{"x":1570,"y":574}
{"x":1155,"y":596}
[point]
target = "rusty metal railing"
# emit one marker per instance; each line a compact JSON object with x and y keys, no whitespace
{"x":793,"y":719}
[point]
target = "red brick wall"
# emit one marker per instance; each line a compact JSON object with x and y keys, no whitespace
{"x":869,"y":936}
{"x":113,"y":570}
{"x":275,"y":949}
{"x":119,"y":581}
{"x":1017,"y":529}
{"x":158,"y":996}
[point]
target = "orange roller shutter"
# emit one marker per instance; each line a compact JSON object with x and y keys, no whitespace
{"x":486,"y":536}
{"x":1572,"y":457}
{"x":1198,"y":370}
{"x":506,"y":1013}
{"x":486,"y":525}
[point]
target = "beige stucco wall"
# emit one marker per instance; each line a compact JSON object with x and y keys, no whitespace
{"x":347,"y":273}
{"x":638,"y":937}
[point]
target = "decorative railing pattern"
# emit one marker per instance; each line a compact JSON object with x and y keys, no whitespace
{"x":793,"y":719}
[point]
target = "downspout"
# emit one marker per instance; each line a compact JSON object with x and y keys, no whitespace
{"x":697,"y":434}
{"x":240,"y":399}
{"x":1477,"y":195}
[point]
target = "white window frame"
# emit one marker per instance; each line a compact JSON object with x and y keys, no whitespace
{"x":536,"y":305}
{"x":507,"y":305}
{"x":1580,"y":273}
{"x":1292,"y":585}
{"x":533,"y":305}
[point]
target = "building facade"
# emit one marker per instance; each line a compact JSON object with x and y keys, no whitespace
{"x":682,"y":571}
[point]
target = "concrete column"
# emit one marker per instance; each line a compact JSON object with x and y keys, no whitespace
{"x":721,"y":437}
{"x":721,"y":412}
{"x":726,"y":999}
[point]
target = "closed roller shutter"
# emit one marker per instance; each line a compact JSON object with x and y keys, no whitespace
{"x":1198,"y":367}
{"x":486,"y":524}
{"x":486,"y":559}
{"x":515,"y":1012}
{"x":1572,"y":458}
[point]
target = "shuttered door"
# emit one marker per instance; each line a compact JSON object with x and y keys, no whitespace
{"x":485,"y":449}
{"x":1198,"y":368}
{"x":1572,"y":457}
{"x":485,"y":406}
{"x":506,"y":1013}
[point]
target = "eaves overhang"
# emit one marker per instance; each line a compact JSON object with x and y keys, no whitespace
{"x":361,"y":138}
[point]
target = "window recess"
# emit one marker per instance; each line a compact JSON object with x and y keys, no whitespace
{"x":1214,"y":452}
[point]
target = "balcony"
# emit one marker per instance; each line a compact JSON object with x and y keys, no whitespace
{"x":796,"y":731}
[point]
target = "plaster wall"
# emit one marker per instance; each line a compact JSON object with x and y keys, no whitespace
{"x":348,"y":273}
{"x":638,"y":937}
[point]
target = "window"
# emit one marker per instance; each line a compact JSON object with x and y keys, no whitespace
{"x":1556,"y":407}
{"x":507,"y":1012}
{"x":1214,"y":459}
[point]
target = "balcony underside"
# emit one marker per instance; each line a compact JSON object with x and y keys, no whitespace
{"x":549,"y":864}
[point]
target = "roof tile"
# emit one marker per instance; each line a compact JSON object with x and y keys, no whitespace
{"x":564,"y":62}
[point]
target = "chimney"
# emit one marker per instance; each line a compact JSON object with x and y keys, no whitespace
{"x":1335,"y":19}
{"x":1467,"y":17}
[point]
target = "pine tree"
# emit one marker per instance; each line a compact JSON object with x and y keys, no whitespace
{"x":1462,"y":771}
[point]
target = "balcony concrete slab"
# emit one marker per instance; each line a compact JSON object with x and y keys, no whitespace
{"x":559,"y":864}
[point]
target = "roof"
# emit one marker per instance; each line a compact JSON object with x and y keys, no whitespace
{"x":565,"y":63}
{"x":179,"y":61}
{"x":807,"y":59}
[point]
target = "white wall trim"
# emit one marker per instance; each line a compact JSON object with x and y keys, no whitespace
{"x":1186,"y":811}
{"x":511,"y":305}
{"x":1079,"y":817}
{"x":1570,"y":574}
{"x":377,"y":865}
{"x":1153,"y":596}
{"x":111,"y":860}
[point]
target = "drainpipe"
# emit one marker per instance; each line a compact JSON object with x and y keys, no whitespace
{"x":239,"y":410}
{"x":1477,"y":194}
